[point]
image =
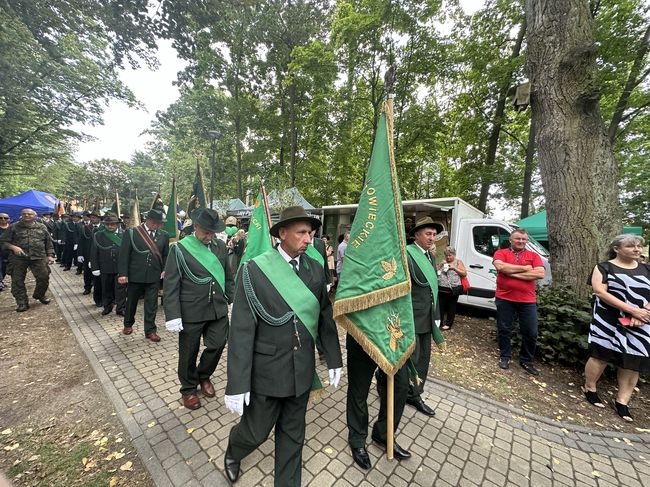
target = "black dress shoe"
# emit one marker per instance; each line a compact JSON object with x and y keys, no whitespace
{"x":42,"y":300}
{"x":399,"y":453}
{"x":22,"y":307}
{"x":107,"y":310}
{"x":86,"y":292}
{"x":528,"y":367}
{"x":231,"y":466}
{"x":421,"y":406}
{"x":361,"y":457}
{"x":504,"y":363}
{"x":79,"y":271}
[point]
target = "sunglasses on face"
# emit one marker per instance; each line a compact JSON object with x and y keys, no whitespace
{"x":4,"y":218}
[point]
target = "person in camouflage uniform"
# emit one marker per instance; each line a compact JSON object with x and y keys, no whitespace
{"x":32,"y":248}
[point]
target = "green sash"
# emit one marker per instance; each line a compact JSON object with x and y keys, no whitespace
{"x":315,"y":254}
{"x":112,"y":236}
{"x":432,"y":278}
{"x":207,"y":259}
{"x":294,"y":292}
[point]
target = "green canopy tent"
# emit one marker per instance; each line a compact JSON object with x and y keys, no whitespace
{"x":536,"y":226}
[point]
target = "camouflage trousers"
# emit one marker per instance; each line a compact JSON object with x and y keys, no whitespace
{"x":17,"y":269}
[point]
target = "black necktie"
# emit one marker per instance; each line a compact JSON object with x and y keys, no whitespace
{"x":294,"y":264}
{"x":428,"y":256}
{"x":152,"y":233}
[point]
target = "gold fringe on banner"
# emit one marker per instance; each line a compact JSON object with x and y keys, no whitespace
{"x":373,"y":298}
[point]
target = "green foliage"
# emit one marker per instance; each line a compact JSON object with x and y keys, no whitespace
{"x":563,"y":326}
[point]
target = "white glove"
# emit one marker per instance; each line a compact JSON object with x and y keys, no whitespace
{"x":80,"y":259}
{"x":90,"y":265}
{"x":335,"y":377}
{"x":58,"y":241}
{"x":75,"y":247}
{"x":96,"y":273}
{"x":235,"y":404}
{"x":437,"y":322}
{"x":175,"y":325}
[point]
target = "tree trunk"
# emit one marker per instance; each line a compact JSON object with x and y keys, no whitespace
{"x":497,"y":122}
{"x":528,"y":169}
{"x":578,"y":170}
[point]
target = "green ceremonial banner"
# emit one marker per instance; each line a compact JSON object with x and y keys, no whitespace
{"x":197,"y":199}
{"x":373,"y":297}
{"x":258,"y":239}
{"x":171,"y":225}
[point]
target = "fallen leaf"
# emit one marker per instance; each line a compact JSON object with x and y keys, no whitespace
{"x":190,"y":430}
{"x":11,"y":447}
{"x":151,"y":425}
{"x":8,"y":431}
{"x":113,"y":482}
{"x":127,"y":467}
{"x":595,"y":473}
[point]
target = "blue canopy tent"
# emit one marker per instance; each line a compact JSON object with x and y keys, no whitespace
{"x":38,"y":201}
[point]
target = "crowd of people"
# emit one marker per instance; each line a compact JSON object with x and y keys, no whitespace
{"x":282,"y":312}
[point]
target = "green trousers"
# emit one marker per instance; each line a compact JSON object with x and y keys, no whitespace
{"x":17,"y":269}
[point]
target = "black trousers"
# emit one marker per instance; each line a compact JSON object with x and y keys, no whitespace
{"x":88,"y":277}
{"x":67,"y":256}
{"x":112,"y":292}
{"x":448,"y":303}
{"x":133,"y":292}
{"x":287,"y":414}
{"x":97,"y":290}
{"x":421,"y":358}
{"x":215,"y":334}
{"x":360,"y":370}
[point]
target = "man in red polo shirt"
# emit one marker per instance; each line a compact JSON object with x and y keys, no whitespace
{"x":516,"y":294}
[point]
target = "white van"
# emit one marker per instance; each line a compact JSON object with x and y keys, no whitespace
{"x":474,"y":236}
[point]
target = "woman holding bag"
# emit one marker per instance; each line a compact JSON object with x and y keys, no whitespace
{"x":450,"y":272}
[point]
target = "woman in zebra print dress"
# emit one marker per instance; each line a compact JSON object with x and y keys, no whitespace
{"x":619,"y":333}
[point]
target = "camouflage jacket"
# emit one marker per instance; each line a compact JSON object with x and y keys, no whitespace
{"x":34,"y":239}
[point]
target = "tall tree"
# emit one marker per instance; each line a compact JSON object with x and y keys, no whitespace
{"x":578,"y":169}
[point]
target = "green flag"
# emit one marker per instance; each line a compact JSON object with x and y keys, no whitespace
{"x":171,"y":225}
{"x":258,"y":239}
{"x":117,"y":208}
{"x":197,"y":199}
{"x":373,"y":298}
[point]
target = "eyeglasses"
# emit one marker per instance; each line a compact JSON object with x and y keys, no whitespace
{"x":4,"y":218}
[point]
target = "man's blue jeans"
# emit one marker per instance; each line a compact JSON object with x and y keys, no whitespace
{"x":527,"y":313}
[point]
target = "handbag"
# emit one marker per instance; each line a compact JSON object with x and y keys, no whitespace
{"x":464,"y":282}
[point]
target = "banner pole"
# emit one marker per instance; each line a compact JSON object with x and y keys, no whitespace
{"x":390,"y":415}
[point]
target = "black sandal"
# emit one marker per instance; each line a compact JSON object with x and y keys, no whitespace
{"x":623,"y":411}
{"x":592,"y":397}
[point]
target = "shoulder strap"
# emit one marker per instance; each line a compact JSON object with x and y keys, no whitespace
{"x":151,"y":245}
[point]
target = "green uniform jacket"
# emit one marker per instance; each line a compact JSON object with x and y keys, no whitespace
{"x":192,"y":302}
{"x":266,"y":359}
{"x":425,"y":310}
{"x":136,"y":260}
{"x":103,"y":254}
{"x":34,"y":239}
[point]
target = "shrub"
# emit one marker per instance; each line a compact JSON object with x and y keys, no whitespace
{"x":563,"y":326}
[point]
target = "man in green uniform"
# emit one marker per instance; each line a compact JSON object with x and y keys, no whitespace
{"x":32,"y":248}
{"x":103,"y":258}
{"x":424,"y":296}
{"x":142,"y":265}
{"x":280,"y":307}
{"x":197,"y":288}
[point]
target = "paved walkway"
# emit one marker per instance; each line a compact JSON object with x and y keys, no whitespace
{"x":472,"y":440}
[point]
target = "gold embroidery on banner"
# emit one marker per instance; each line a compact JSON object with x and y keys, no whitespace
{"x":390,"y":268}
{"x":394,"y":328}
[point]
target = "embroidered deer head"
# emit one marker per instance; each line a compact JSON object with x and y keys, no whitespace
{"x":395,"y":330}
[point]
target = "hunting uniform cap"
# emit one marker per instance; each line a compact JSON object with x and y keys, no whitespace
{"x":426,"y":222}
{"x":94,"y":213}
{"x":47,"y":213}
{"x":76,"y":214}
{"x":291,"y":215}
{"x":231,"y":220}
{"x":86,"y":213}
{"x":110,"y":218}
{"x":208,"y":219}
{"x":155,"y":215}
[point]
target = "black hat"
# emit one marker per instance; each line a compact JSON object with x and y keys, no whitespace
{"x":294,"y":214}
{"x":111,"y":218}
{"x":155,"y":215}
{"x":76,"y":214}
{"x":45,"y":213}
{"x":208,"y":219}
{"x":65,"y":215}
{"x":426,"y":222}
{"x":126,"y":215}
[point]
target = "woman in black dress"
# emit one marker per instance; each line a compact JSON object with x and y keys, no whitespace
{"x":619,"y":333}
